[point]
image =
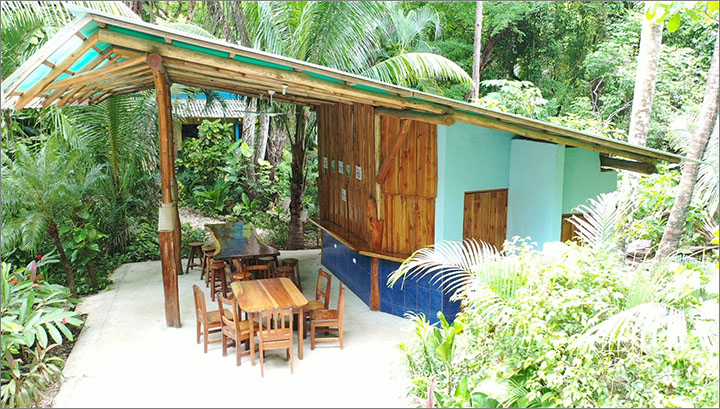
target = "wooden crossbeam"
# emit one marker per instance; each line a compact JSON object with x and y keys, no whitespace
{"x":446,"y":120}
{"x":91,"y":65}
{"x":385,"y":168}
{"x":639,"y":167}
{"x":39,"y":87}
{"x":87,"y":76}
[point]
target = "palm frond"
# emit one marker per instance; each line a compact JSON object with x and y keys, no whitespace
{"x":601,"y":222}
{"x":410,"y":68}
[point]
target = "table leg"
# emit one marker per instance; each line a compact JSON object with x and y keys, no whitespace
{"x":301,"y":328}
{"x":252,"y":338}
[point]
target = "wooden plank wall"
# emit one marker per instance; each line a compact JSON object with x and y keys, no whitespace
{"x":409,"y":191}
{"x":346,"y":133}
{"x":485,"y":216}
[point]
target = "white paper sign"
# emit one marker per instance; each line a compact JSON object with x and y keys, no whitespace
{"x":348,"y":170}
{"x":358,"y":172}
{"x":344,"y":195}
{"x":325,"y":162}
{"x":341,"y":167}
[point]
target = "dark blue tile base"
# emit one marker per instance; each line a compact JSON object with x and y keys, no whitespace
{"x":416,"y":295}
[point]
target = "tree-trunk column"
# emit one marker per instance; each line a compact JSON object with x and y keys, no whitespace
{"x":167,"y":224}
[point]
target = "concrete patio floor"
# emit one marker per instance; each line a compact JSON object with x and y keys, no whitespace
{"x":127,"y":357}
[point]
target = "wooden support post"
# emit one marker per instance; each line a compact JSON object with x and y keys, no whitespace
{"x":169,"y":251}
{"x":385,"y":168}
{"x":374,"y":284}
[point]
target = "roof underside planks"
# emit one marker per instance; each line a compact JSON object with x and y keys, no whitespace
{"x":99,"y":55}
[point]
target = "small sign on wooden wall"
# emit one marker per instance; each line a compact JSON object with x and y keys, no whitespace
{"x":348,"y":170}
{"x":344,"y":195}
{"x":358,"y":172}
{"x":325,"y":162}
{"x":332,"y":165}
{"x":341,"y":167}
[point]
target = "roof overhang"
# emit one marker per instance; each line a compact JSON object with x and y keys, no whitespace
{"x":100,"y":55}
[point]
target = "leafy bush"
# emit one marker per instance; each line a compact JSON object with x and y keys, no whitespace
{"x":35,"y":315}
{"x":573,"y":326}
{"x":202,"y":159}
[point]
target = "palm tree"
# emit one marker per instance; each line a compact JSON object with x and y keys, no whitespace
{"x":347,"y":36}
{"x":487,"y":283}
{"x":706,"y":122}
{"x":42,"y":189}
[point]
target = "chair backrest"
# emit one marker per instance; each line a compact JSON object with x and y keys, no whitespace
{"x":260,"y":270}
{"x":319,"y":292}
{"x":274,"y":325}
{"x":341,"y":302}
{"x":232,"y":321}
{"x":200,"y":306}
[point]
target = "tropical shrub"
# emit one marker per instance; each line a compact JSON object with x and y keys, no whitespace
{"x":35,"y":315}
{"x":575,"y":325}
{"x":201,"y":160}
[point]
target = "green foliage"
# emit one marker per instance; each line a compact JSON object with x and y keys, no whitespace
{"x":517,"y":97}
{"x":201,"y":160}
{"x":35,"y":315}
{"x":571,"y":326}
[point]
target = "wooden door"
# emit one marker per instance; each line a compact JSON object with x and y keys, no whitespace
{"x":486,"y":216}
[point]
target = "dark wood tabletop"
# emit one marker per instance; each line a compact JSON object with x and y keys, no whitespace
{"x":238,"y":240}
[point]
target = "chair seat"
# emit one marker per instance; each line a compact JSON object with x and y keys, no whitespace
{"x":245,"y":327}
{"x":214,"y":316}
{"x":313,"y":306}
{"x":324,"y":315}
{"x":195,"y":244}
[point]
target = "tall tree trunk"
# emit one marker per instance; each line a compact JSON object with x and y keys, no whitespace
{"x":296,"y":236}
{"x":243,"y":35}
{"x":191,"y":11}
{"x":263,"y":131}
{"x":248,"y":132}
{"x":92,"y":276}
{"x":698,"y":143}
{"x":477,"y":53}
{"x":645,"y":79}
{"x":54,"y":234}
{"x":276,"y":144}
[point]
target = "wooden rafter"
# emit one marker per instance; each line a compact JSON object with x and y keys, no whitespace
{"x":66,"y":63}
{"x":446,"y":120}
{"x":397,"y":145}
{"x":88,"y":76}
{"x":91,"y":65}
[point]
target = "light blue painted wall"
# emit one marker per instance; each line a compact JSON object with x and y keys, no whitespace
{"x":583,"y":178}
{"x":535,"y":195}
{"x":469,"y":158}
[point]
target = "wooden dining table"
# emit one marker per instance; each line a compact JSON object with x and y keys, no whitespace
{"x":255,"y":296}
{"x":238,"y":240}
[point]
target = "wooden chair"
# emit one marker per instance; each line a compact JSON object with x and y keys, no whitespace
{"x":195,"y":249}
{"x":205,"y":266}
{"x":295,"y":264}
{"x":236,"y":329}
{"x":207,"y":322}
{"x":270,"y":261}
{"x":218,"y":283}
{"x":329,"y":320}
{"x":322,"y":297}
{"x":276,"y":333}
{"x":241,"y":273}
{"x":261,"y":271}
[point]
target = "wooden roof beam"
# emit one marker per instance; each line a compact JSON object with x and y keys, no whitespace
{"x":645,"y":168}
{"x":89,"y":75}
{"x":387,"y":163}
{"x":446,"y":120}
{"x":66,"y":63}
{"x":239,"y":67}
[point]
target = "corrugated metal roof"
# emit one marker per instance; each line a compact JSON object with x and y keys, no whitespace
{"x":110,"y":61}
{"x":199,"y":108}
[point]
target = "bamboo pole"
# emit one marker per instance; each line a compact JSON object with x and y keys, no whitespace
{"x":168,"y":244}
